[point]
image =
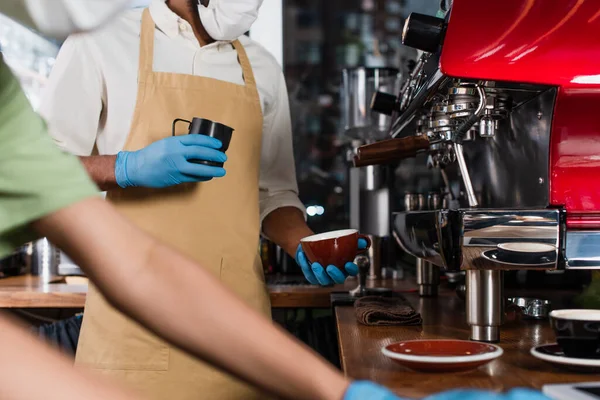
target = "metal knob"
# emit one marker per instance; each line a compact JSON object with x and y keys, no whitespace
{"x":423,"y":32}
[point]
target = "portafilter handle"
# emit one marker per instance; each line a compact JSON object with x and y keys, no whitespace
{"x":390,"y":150}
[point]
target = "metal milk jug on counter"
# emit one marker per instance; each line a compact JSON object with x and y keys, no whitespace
{"x":48,"y":262}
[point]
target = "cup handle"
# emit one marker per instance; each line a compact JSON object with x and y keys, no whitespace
{"x":368,"y":239}
{"x":179,"y":120}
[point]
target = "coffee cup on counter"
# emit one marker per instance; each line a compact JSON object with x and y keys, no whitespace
{"x":202,"y":126}
{"x":334,"y":248}
{"x":577,"y":332}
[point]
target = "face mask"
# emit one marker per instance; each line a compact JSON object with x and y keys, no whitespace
{"x":228,"y":19}
{"x":60,"y":18}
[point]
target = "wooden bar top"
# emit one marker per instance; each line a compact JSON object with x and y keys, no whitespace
{"x":28,"y":291}
{"x":444,"y":318}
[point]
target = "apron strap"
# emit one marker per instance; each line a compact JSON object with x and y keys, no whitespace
{"x":245,"y":64}
{"x":146,"y":46}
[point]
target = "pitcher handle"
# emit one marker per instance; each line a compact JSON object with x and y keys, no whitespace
{"x":179,"y":120}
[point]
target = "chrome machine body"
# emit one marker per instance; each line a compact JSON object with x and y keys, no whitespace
{"x":487,"y":145}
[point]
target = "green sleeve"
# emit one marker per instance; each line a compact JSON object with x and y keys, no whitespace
{"x":36,"y":178}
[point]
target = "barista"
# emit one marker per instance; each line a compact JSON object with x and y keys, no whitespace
{"x":118,"y":91}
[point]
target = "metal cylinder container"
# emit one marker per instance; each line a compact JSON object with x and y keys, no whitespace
{"x":375,"y":257}
{"x":485,"y":304}
{"x":428,"y":278}
{"x":45,"y":260}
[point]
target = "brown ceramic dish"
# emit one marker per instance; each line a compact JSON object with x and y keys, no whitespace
{"x":442,"y":355}
{"x":333,"y":248}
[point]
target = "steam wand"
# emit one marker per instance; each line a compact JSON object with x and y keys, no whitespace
{"x":458,"y":148}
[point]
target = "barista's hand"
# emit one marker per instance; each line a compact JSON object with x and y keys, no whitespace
{"x":515,"y":394}
{"x":317,"y":275}
{"x":364,"y":390}
{"x":167,"y":162}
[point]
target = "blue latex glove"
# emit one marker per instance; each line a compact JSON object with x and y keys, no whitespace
{"x":364,"y":390}
{"x":317,"y":275}
{"x":515,"y":394}
{"x":167,"y":162}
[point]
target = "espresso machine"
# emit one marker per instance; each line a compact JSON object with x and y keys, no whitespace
{"x":502,"y":109}
{"x":369,"y":189}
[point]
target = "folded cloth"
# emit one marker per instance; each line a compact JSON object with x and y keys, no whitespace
{"x":386,"y":311}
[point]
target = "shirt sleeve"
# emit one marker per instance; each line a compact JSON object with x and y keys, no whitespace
{"x":277,"y":183}
{"x":36,"y":178}
{"x":72,"y":102}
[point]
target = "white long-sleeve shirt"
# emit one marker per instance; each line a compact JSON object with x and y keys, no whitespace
{"x":91,"y":94}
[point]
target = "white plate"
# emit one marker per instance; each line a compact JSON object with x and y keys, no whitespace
{"x":564,"y":360}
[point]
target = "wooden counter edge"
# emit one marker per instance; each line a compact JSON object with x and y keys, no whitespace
{"x":27,"y":292}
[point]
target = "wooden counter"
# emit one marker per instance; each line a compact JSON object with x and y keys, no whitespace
{"x":28,"y":292}
{"x":444,"y":318}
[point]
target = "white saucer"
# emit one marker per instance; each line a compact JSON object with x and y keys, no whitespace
{"x":552,"y":354}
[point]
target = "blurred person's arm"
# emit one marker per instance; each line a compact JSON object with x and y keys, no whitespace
{"x":185,"y":304}
{"x":30,"y":370}
{"x":166,"y":292}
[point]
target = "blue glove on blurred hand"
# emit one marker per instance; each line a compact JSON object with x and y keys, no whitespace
{"x":364,"y":390}
{"x":317,"y":275}
{"x":167,"y":162}
{"x":515,"y":394}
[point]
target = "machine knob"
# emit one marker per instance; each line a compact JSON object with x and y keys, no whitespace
{"x":383,"y":103}
{"x":423,"y":32}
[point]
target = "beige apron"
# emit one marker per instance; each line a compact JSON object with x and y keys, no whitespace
{"x":216,"y":223}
